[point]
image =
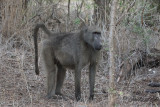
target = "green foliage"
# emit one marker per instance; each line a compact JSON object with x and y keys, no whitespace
{"x":146,"y":40}
{"x":120,"y":3}
{"x":88,"y":6}
{"x":121,"y":93}
{"x":111,"y":90}
{"x":140,"y":20}
{"x":136,"y":28}
{"x":95,"y":5}
{"x":106,"y":47}
{"x":77,"y":21}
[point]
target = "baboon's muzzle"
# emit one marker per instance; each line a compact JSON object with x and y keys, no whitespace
{"x":99,"y":47}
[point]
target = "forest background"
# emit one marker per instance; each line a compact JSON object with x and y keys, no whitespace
{"x":136,"y":39}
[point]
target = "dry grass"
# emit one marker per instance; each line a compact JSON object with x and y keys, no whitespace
{"x":19,"y":86}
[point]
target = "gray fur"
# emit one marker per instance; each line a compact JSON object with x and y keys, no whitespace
{"x":69,"y":50}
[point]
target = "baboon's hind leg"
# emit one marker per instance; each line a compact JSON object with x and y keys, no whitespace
{"x":51,"y":71}
{"x":60,"y":78}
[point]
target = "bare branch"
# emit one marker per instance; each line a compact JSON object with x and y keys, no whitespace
{"x":126,"y":12}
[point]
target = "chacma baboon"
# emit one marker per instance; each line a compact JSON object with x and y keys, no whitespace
{"x":69,"y":50}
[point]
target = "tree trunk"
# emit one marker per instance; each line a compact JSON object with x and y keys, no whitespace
{"x":25,"y":4}
{"x":11,"y":16}
{"x":112,"y":87}
{"x":101,"y":11}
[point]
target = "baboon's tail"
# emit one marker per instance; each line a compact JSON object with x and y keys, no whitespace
{"x":43,"y":27}
{"x":36,"y":49}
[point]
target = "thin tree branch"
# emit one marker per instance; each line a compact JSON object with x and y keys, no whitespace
{"x":131,"y":5}
{"x":79,"y":8}
{"x":112,"y":88}
{"x":69,"y":9}
{"x":143,"y":13}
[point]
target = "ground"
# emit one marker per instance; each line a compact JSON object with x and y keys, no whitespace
{"x":20,"y":86}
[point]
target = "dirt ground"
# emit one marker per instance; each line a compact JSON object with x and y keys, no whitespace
{"x":20,"y":87}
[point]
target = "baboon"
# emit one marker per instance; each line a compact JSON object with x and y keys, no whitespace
{"x":69,"y":50}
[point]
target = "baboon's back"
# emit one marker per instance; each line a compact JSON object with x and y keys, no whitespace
{"x":66,"y":49}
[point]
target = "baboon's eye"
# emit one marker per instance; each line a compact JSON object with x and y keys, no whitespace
{"x":97,"y":33}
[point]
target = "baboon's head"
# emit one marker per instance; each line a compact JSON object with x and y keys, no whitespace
{"x":92,"y":36}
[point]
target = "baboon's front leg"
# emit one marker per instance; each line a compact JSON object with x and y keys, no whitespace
{"x":78,"y":83}
{"x":92,"y":72}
